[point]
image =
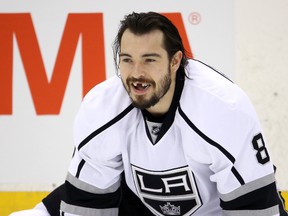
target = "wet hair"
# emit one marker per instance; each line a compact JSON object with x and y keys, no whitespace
{"x":142,"y":23}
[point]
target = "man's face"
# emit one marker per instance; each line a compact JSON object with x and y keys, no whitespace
{"x":144,"y":68}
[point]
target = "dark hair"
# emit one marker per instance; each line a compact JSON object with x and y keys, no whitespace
{"x":142,"y":23}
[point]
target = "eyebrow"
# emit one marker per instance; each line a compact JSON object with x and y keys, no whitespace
{"x":144,"y":55}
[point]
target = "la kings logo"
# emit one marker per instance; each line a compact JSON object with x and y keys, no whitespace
{"x":171,"y":192}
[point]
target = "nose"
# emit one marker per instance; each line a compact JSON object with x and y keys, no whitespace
{"x":137,"y":70}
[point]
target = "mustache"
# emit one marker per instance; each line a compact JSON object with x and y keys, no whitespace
{"x":141,"y":80}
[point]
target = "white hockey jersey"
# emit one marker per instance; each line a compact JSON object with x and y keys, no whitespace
{"x":207,"y":156}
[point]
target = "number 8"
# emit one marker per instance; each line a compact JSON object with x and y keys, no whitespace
{"x":259,"y":145}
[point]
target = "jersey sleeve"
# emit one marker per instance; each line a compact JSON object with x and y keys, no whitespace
{"x":235,"y":146}
{"x":52,"y":200}
{"x":92,"y":185}
{"x":245,"y":175}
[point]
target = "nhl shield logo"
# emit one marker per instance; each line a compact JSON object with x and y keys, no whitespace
{"x":171,"y":192}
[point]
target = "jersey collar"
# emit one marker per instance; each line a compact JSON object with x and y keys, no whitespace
{"x":168,"y":118}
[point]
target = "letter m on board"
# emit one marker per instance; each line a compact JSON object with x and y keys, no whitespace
{"x":48,"y":95}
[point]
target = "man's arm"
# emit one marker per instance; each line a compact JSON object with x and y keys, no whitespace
{"x":53,"y":200}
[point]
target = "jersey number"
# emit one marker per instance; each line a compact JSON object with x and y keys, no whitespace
{"x":259,"y":145}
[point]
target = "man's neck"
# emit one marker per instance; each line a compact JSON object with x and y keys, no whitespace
{"x":153,"y":118}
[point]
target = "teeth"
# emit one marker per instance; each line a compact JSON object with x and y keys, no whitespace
{"x":142,"y":84}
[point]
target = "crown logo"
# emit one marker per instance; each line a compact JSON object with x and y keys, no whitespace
{"x":169,"y":209}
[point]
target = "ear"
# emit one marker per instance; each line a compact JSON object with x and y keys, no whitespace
{"x":176,"y":61}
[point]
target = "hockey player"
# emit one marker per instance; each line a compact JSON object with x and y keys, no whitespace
{"x":167,"y":136}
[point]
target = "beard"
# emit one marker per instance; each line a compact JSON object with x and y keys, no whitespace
{"x":141,"y":101}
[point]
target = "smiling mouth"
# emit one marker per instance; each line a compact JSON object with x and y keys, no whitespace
{"x":140,"y":86}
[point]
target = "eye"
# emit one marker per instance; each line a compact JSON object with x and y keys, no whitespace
{"x":149,"y":60}
{"x":126,"y":60}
